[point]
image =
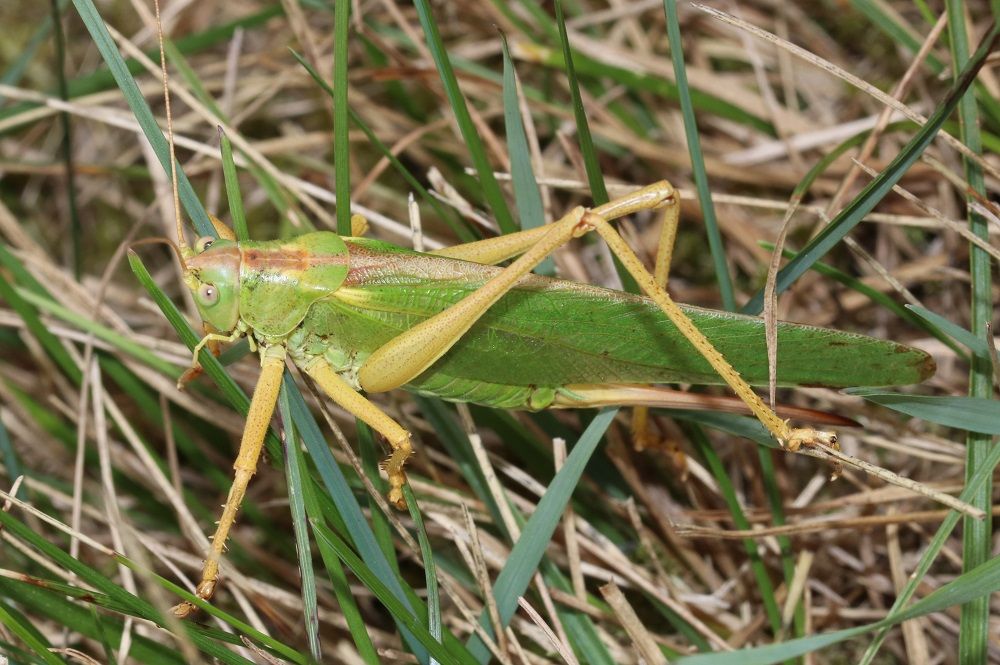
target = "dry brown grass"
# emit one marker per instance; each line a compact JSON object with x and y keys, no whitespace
{"x":660,"y":532}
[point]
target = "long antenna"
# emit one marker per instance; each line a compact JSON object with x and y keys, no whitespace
{"x":170,"y":136}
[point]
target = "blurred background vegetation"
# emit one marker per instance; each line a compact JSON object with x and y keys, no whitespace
{"x":780,"y":105}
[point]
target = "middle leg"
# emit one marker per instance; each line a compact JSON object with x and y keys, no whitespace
{"x":265,"y":395}
{"x":358,"y":406}
{"x":641,"y":437}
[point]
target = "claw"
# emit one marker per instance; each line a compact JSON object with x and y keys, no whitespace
{"x":184,"y":610}
{"x":811,"y":438}
{"x":641,"y":441}
{"x":189,"y":375}
{"x":205,"y":591}
{"x":396,"y":498}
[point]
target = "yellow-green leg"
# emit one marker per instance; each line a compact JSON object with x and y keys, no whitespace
{"x":265,"y":395}
{"x":212,"y":340}
{"x":641,"y":437}
{"x":214,"y":347}
{"x":495,"y":250}
{"x":411,"y":353}
{"x":786,"y":436}
{"x":357,"y":405}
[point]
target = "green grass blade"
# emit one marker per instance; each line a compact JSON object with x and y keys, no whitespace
{"x":744,"y":427}
{"x":233,"y":188}
{"x":595,"y":176}
{"x":704,"y":103}
{"x":338,"y":579}
{"x":974,"y":414}
{"x":698,"y":160}
{"x":526,"y":193}
{"x":339,"y":490}
{"x":880,"y":186}
{"x":371,"y":458}
{"x":27,"y":634}
{"x":296,"y":483}
{"x":460,"y":229}
{"x":444,"y":653}
{"x":137,"y":103}
{"x":49,"y":342}
{"x":341,"y":144}
{"x":66,"y":140}
{"x":749,"y":428}
{"x":335,"y":570}
{"x":207,"y":639}
{"x":188,"y":75}
{"x":879,"y":298}
{"x":138,"y":607}
{"x":956,"y":332}
{"x":775,"y":502}
{"x":591,"y":162}
{"x":977,"y":535}
{"x":125,"y":344}
{"x":102,"y":79}
{"x":347,"y":505}
{"x":19,"y":65}
{"x":831,"y":156}
{"x":524,"y":558}
{"x":491,"y":189}
{"x":899,"y":33}
{"x":434,"y":624}
{"x":522,"y":19}
{"x":11,"y":461}
{"x":275,"y":192}
{"x":634,"y":81}
{"x":912,"y":41}
{"x":48,"y":599}
{"x":979,"y":479}
{"x":148,"y":403}
{"x":581,"y":633}
{"x":977,"y":583}
{"x":457,"y":445}
{"x":740,"y":521}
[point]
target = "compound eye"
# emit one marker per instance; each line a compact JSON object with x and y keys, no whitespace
{"x":208,"y":294}
{"x":203,"y":243}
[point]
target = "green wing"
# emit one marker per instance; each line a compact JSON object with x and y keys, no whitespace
{"x":548,"y":333}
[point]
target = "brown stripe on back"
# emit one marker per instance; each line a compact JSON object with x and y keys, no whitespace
{"x":284,"y":258}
